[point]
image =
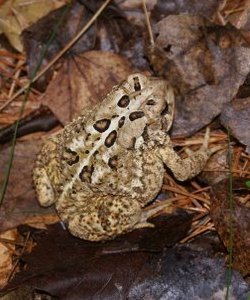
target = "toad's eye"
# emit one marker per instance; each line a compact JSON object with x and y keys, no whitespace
{"x":137,"y":85}
{"x":151,"y":102}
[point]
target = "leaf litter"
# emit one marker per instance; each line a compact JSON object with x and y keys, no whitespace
{"x":207,"y":62}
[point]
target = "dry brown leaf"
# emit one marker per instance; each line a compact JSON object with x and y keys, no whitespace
{"x":235,"y":220}
{"x":164,"y":8}
{"x":63,"y":267}
{"x":236,"y":117}
{"x":78,"y":277}
{"x":219,"y":161}
{"x":20,"y":204}
{"x":83,"y":81}
{"x":111,"y":32}
{"x":205,"y":63}
{"x":137,"y":4}
{"x":15,"y":15}
{"x":35,"y":38}
{"x":236,"y":12}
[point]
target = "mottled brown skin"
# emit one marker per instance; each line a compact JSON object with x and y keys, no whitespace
{"x":104,"y":167}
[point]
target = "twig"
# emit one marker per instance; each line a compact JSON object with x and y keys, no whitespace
{"x":178,"y":191}
{"x":150,"y":33}
{"x":231,"y":221}
{"x":16,"y":75}
{"x":197,"y":231}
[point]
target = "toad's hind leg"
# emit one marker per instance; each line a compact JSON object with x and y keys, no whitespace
{"x":108,"y":217}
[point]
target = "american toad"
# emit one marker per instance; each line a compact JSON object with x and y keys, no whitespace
{"x":104,"y":167}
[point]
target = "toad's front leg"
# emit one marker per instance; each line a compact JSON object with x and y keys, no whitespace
{"x":46,"y":174}
{"x":191,"y":166}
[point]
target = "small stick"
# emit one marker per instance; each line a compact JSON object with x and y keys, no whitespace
{"x":177,"y":191}
{"x":151,"y":37}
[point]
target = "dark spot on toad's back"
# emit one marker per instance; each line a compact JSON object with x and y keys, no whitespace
{"x":145,"y":133}
{"x":110,"y":139}
{"x":121,"y":122}
{"x":132,"y":143}
{"x":71,"y":156}
{"x":124,"y":101}
{"x":102,"y":125}
{"x":86,"y":172}
{"x":68,"y":150}
{"x":73,"y":161}
{"x":112,"y":162}
{"x":136,"y":115}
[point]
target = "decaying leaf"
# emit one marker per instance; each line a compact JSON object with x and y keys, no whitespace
{"x":164,"y":8}
{"x":235,"y":12}
{"x":83,"y":81}
{"x":110,"y":33}
{"x":236,"y":117}
{"x":35,"y":38}
{"x":217,"y":166}
{"x":64,"y":267}
{"x":244,"y":90}
{"x":205,"y":63}
{"x":20,"y":205}
{"x":15,"y":15}
{"x":233,"y":219}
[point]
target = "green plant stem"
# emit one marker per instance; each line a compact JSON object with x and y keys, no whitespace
{"x":231,"y":221}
